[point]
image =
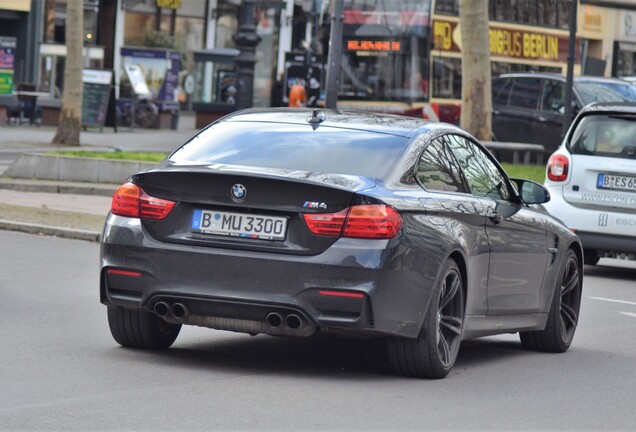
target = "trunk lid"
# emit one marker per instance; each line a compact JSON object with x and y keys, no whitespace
{"x":230,"y":202}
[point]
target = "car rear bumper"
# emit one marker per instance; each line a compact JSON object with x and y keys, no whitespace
{"x":355,"y":286}
{"x":604,"y":229}
{"x":607,"y":243}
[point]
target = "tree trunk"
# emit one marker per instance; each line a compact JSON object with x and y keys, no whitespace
{"x":70,"y":123}
{"x":476,"y":114}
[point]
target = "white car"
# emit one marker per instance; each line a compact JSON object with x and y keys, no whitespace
{"x":592,"y":180}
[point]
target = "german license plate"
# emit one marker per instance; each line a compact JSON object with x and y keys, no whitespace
{"x":607,"y":181}
{"x":239,"y":225}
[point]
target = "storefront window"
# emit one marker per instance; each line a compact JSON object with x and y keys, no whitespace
{"x":544,"y":13}
{"x":447,"y":78}
{"x":625,"y":59}
{"x":226,"y":24}
{"x":215,"y":82}
{"x":385,"y":50}
{"x":55,"y":16}
{"x":176,"y":30}
{"x":153,"y":27}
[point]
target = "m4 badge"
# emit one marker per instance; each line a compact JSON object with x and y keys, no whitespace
{"x":315,"y":205}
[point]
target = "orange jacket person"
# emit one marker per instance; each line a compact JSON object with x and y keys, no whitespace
{"x":297,"y":96}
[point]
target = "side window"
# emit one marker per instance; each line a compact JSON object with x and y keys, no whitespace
{"x":501,"y":91}
{"x":438,"y":170}
{"x":553,"y":92}
{"x":525,"y":93}
{"x":483,"y":177}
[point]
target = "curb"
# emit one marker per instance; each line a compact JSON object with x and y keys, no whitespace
{"x":74,"y":169}
{"x":68,"y":233}
{"x":48,"y":186}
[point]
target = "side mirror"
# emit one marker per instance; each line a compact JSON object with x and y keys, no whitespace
{"x":531,"y":192}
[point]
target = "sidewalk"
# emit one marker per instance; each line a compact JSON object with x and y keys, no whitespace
{"x":32,"y":138}
{"x":66,"y":209}
{"x":78,"y":215}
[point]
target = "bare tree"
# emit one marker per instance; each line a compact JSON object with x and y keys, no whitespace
{"x":476,"y":114}
{"x":70,"y":123}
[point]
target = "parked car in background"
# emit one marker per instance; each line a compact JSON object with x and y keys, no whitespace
{"x":529,"y":107}
{"x":630,"y":79}
{"x":623,"y":87}
{"x":294,"y":222}
{"x":592,"y":180}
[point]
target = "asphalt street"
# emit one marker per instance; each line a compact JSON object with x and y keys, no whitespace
{"x":61,"y":370}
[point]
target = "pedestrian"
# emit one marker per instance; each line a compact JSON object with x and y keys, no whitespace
{"x":297,"y":96}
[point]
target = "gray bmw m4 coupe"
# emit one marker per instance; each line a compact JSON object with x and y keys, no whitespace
{"x":298,"y":223}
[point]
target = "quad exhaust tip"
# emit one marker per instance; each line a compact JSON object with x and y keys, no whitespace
{"x":293,"y":321}
{"x":274,"y":319}
{"x":161,"y":309}
{"x":179,"y":310}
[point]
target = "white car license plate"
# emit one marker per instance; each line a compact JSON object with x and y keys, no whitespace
{"x":239,"y":225}
{"x":607,"y":181}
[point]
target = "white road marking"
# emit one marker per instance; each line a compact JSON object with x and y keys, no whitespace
{"x":629,"y":314}
{"x":614,"y":300}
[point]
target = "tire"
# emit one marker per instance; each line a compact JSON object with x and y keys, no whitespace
{"x":564,"y":312}
{"x":145,"y":115}
{"x":139,"y":329}
{"x":590,"y":257}
{"x":433,"y":353}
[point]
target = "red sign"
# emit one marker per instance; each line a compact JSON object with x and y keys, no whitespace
{"x":373,"y":45}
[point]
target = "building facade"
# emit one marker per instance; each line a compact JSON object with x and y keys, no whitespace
{"x":400,"y":56}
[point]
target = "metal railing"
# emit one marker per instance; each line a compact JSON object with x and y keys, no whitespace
{"x":521,"y":152}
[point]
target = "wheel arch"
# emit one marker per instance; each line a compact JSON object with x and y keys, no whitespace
{"x":578,"y":251}
{"x":460,"y":260}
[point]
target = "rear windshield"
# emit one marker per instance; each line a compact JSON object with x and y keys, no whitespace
{"x":594,"y":92}
{"x":293,"y":147}
{"x":605,"y":135}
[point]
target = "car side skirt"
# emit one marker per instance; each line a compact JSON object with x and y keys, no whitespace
{"x":479,"y":325}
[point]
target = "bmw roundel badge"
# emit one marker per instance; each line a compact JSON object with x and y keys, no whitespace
{"x":238,"y":192}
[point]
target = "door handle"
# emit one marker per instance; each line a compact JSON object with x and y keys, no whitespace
{"x":542,"y":119}
{"x":495,"y":112}
{"x":495,"y":217}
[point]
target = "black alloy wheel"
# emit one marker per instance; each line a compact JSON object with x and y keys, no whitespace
{"x":564,"y":312}
{"x":450,"y":317}
{"x":433,"y":353}
{"x":570,"y":300}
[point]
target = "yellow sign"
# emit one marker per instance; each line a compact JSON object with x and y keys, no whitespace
{"x":169,"y":4}
{"x":17,"y":5}
{"x":443,"y":35}
{"x":505,"y":42}
{"x":511,"y":43}
{"x":592,"y":22}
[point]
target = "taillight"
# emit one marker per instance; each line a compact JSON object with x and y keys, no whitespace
{"x":374,"y":221}
{"x":558,"y":167}
{"x":131,"y":200}
{"x":329,"y":224}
